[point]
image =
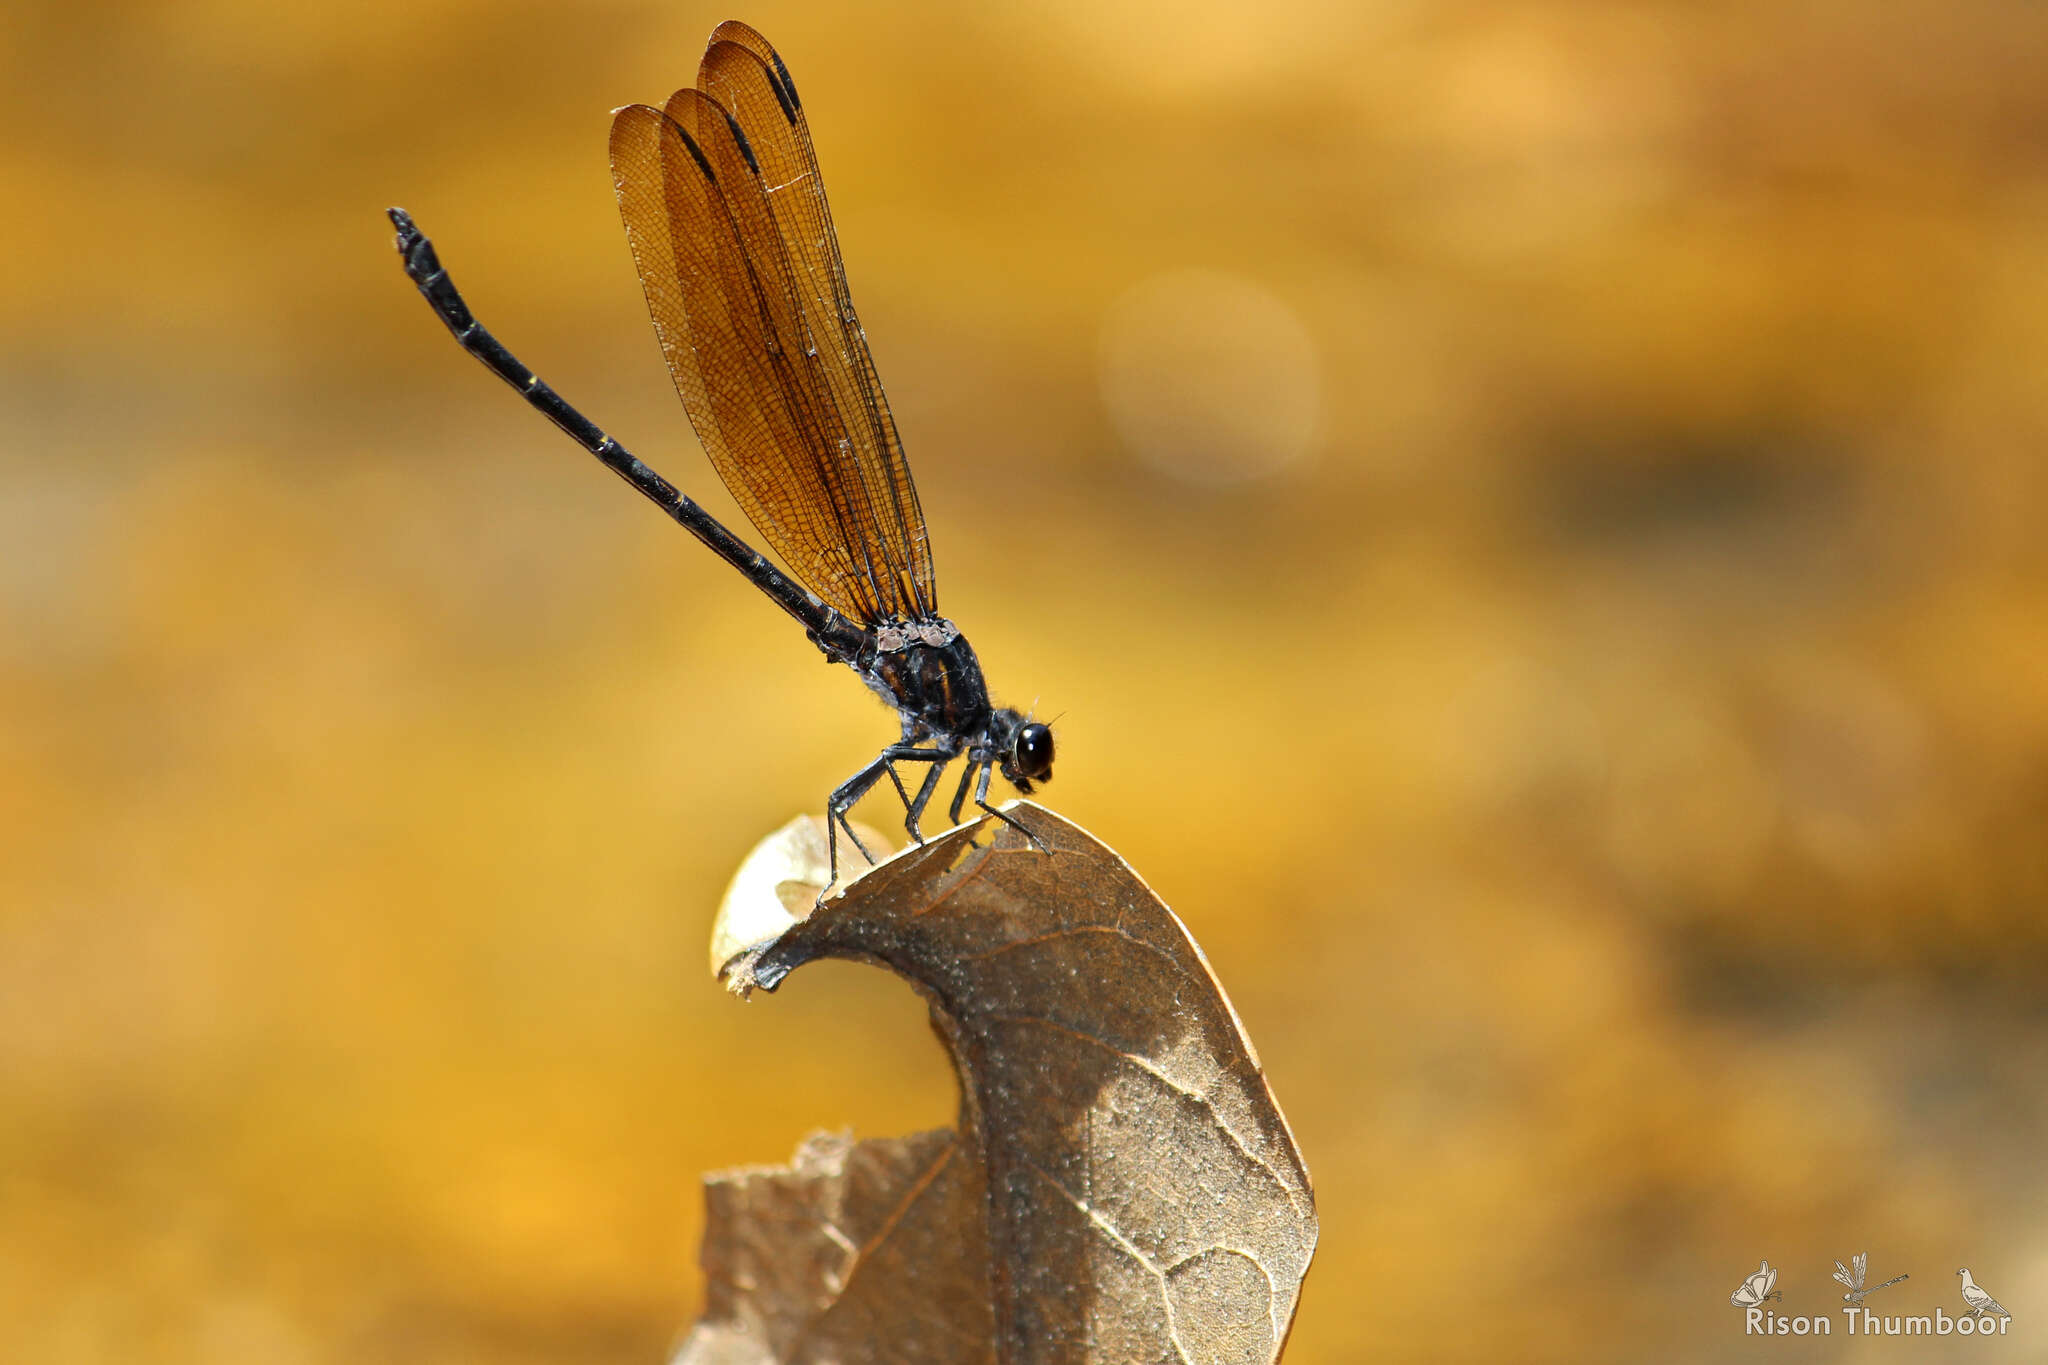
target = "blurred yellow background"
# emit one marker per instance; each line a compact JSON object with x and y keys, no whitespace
{"x":1529,"y":517}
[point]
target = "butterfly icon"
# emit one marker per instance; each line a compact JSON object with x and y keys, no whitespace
{"x":1851,"y":1277}
{"x":1757,"y":1287}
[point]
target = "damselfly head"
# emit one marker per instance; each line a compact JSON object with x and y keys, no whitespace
{"x":1027,"y":758}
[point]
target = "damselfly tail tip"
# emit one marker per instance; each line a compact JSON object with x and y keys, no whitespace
{"x":409,"y":234}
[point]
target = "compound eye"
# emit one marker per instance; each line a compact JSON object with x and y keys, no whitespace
{"x":1034,"y":751}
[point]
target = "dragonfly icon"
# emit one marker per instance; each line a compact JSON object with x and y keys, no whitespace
{"x":1851,"y":1276}
{"x":1758,"y":1287}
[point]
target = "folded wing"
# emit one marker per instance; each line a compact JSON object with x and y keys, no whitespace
{"x":727,"y":219}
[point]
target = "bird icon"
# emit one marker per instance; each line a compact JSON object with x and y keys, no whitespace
{"x":1851,"y":1276}
{"x":1979,"y":1301}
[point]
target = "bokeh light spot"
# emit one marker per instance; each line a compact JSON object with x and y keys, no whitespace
{"x":1209,"y":378}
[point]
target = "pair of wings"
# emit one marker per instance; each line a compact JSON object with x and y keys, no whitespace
{"x":1852,"y":1278}
{"x":726,"y":216}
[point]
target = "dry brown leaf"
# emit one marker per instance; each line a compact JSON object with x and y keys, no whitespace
{"x":1122,"y":1186}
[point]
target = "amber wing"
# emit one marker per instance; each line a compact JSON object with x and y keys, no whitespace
{"x":726,"y":216}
